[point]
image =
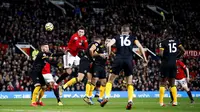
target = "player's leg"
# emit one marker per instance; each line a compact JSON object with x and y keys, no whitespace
{"x":171,"y":79}
{"x":176,"y":84}
{"x":102,"y":90}
{"x":37,"y":86}
{"x":173,"y":90}
{"x":68,"y":61}
{"x":185,"y":87}
{"x":84,"y":68}
{"x":35,"y":94}
{"x":42,"y":90}
{"x":102,"y":77}
{"x":89,"y":87}
{"x":49,"y":80}
{"x":128,"y":70}
{"x":163,"y":79}
{"x":41,"y":94}
{"x":116,"y":68}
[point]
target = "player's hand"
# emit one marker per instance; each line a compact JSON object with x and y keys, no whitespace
{"x":103,"y":55}
{"x":145,"y":63}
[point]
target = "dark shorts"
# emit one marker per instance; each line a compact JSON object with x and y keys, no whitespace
{"x":84,"y":66}
{"x":37,"y":78}
{"x":99,"y":71}
{"x":125,"y":64}
{"x":168,"y":71}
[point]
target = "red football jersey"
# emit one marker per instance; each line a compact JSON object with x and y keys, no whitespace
{"x":77,"y":43}
{"x":46,"y":69}
{"x":180,"y":70}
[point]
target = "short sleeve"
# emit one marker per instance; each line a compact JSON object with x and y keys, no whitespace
{"x":161,"y":46}
{"x":182,"y":64}
{"x":179,"y":43}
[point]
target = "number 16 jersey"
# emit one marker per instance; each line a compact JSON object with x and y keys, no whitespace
{"x":124,"y":45}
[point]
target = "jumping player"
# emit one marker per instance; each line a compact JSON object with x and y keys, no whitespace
{"x":36,"y":74}
{"x":84,"y":68}
{"x":77,"y":43}
{"x":168,"y":53}
{"x":182,"y":79}
{"x":99,"y":73}
{"x":123,"y":60}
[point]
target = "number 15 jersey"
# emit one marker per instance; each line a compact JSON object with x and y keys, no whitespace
{"x":124,"y":45}
{"x":170,"y":47}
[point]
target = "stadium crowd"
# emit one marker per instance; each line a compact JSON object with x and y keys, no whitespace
{"x":25,"y":23}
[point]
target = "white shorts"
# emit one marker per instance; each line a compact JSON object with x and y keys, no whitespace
{"x":48,"y":78}
{"x":69,"y":60}
{"x":181,"y":82}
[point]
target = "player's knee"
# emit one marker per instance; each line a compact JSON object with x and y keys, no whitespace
{"x":112,"y":77}
{"x":186,"y":88}
{"x":51,"y":84}
{"x":103,"y":83}
{"x":80,"y":77}
{"x":44,"y":87}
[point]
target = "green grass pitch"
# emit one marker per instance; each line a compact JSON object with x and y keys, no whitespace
{"x":114,"y":105}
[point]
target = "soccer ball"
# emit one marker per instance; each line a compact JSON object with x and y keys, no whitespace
{"x":49,"y":26}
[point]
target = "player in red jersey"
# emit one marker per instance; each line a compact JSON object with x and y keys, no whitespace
{"x":46,"y":73}
{"x":182,"y":79}
{"x":77,"y":43}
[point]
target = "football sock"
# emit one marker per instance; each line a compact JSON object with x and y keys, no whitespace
{"x":171,"y":96}
{"x":130,"y":92}
{"x":35,"y":93}
{"x":162,"y":93}
{"x":108,"y":89}
{"x":41,"y":94}
{"x":92,"y":86}
{"x":102,"y":91}
{"x":174,"y":94}
{"x":32,"y":89}
{"x":71,"y":82}
{"x":62,"y":77}
{"x":87,"y":89}
{"x":190,"y":95}
{"x":56,"y":93}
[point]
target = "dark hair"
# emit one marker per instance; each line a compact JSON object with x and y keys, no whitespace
{"x":43,"y":43}
{"x":97,"y":38}
{"x":81,"y":28}
{"x":125,"y":28}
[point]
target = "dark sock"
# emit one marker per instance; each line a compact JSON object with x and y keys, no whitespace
{"x":62,"y":77}
{"x":190,"y":95}
{"x":171,"y":96}
{"x":56,"y":93}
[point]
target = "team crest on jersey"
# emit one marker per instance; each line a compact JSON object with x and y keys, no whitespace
{"x":44,"y":55}
{"x":95,"y":74}
{"x":96,"y":44}
{"x":75,"y":38}
{"x":85,"y":71}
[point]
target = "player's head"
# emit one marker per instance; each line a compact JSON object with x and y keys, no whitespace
{"x":81,"y":31}
{"x":125,"y":29}
{"x":107,"y":41}
{"x":44,"y":47}
{"x":167,"y":32}
{"x":97,"y":39}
